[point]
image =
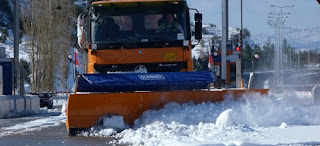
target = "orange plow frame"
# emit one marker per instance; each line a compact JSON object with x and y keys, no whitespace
{"x":84,"y":110}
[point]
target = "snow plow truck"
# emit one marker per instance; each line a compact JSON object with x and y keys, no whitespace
{"x":139,"y":58}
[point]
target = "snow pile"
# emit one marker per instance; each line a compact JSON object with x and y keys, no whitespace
{"x":249,"y":121}
{"x":113,"y":124}
{"x":226,"y":119}
{"x":99,"y":132}
{"x":283,"y":125}
{"x":46,"y":111}
{"x":64,"y":109}
{"x":59,"y":102}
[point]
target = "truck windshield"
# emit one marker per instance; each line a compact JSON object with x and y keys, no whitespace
{"x":139,"y":26}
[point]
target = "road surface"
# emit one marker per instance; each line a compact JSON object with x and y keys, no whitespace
{"x":46,"y":128}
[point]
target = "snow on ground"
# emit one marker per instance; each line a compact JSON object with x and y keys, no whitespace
{"x":60,"y":102}
{"x":254,"y":120}
{"x":55,"y":118}
{"x":35,"y":125}
{"x":273,"y":120}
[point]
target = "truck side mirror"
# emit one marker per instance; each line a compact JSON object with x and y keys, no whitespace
{"x":198,"y":26}
{"x":198,"y":30}
{"x":198,"y":17}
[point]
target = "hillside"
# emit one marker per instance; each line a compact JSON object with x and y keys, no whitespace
{"x":301,"y":39}
{"x":209,"y":31}
{"x":6,"y":15}
{"x":6,"y":23}
{"x":23,"y":52}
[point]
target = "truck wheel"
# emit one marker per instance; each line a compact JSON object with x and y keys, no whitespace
{"x":50,"y":105}
{"x":73,"y":131}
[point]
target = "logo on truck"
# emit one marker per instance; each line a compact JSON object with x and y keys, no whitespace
{"x":152,"y":77}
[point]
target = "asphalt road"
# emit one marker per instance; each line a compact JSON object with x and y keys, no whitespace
{"x":56,"y":135}
{"x":51,"y":136}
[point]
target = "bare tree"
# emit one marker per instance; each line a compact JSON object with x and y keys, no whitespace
{"x":50,"y":31}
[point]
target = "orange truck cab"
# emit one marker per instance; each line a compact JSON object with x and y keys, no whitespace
{"x":139,"y":36}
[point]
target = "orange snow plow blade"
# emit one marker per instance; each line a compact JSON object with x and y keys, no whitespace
{"x":84,"y":110}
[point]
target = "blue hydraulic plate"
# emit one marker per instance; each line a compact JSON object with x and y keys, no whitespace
{"x":129,"y":82}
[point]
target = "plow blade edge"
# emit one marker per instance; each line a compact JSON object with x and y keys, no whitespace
{"x":84,"y":110}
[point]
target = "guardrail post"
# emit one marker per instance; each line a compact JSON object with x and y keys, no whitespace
{"x":316,"y":95}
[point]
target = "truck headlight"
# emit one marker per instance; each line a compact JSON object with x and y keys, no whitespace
{"x":186,"y":43}
{"x":94,"y":47}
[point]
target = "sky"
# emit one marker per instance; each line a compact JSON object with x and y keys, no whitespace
{"x":304,"y":14}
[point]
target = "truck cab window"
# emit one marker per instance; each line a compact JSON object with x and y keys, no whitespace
{"x":139,"y":26}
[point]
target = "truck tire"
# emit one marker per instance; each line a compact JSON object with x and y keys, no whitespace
{"x":73,"y":131}
{"x":50,"y":105}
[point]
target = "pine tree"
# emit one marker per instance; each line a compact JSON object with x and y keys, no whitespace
{"x":6,"y":17}
{"x":246,"y":33}
{"x":5,"y":34}
{"x":267,"y":55}
{"x":246,"y":51}
{"x":26,"y":69}
{"x":257,"y":61}
{"x":247,"y":58}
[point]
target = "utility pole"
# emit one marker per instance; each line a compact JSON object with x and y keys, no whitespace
{"x":16,"y":45}
{"x":279,"y":25}
{"x":224,"y":40}
{"x":238,"y":62}
{"x":275,"y":24}
{"x":241,"y":28}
